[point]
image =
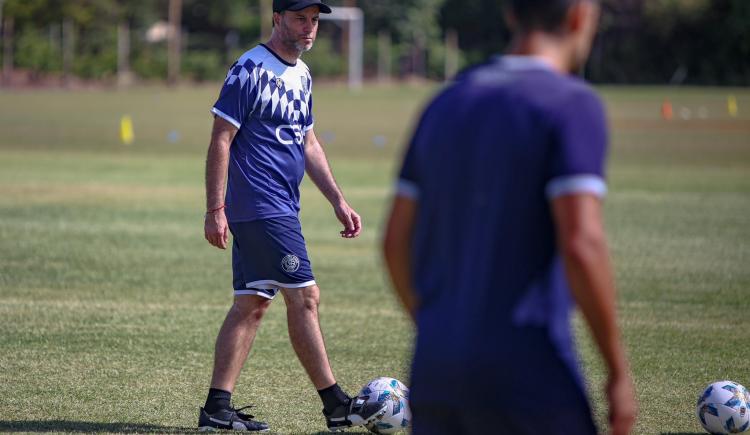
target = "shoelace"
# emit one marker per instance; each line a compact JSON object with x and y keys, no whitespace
{"x":357,"y":403}
{"x":242,"y":414}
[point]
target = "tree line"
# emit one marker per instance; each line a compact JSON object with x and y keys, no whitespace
{"x":703,"y":42}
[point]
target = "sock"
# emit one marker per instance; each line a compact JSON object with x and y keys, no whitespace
{"x":332,"y":397}
{"x":217,"y":400}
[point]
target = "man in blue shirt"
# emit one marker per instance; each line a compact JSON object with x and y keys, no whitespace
{"x":262,"y":143}
{"x":496,"y":230}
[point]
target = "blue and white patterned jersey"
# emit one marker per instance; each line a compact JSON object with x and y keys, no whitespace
{"x":270,"y":101}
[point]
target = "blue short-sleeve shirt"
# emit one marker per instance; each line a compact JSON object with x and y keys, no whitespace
{"x":489,"y":154}
{"x":270,"y":101}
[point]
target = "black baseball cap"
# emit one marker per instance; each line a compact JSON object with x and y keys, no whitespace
{"x":298,"y":5}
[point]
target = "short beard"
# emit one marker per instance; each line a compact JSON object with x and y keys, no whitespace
{"x":293,"y":44}
{"x":301,"y":47}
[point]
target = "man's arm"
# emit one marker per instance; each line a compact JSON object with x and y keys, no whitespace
{"x":397,"y":250}
{"x":581,"y":237}
{"x":215,"y":227}
{"x":320,"y":173}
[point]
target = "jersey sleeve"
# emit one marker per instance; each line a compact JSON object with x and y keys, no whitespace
{"x":409,"y":178}
{"x":237,"y":98}
{"x":579,"y":148}
{"x":408,"y":182}
{"x":310,"y":122}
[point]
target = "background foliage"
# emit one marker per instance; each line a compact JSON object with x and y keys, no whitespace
{"x":654,"y":41}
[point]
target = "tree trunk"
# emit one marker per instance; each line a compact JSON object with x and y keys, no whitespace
{"x":175,"y":38}
{"x":232,"y":43}
{"x":419,"y":63}
{"x":347,"y":28}
{"x":124,"y":76}
{"x":68,"y":49}
{"x":384,"y":56}
{"x":451,"y":54}
{"x":266,"y":20}
{"x":8,"y":50}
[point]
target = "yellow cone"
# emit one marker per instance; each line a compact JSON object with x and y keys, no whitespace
{"x":732,"y":106}
{"x":126,"y":130}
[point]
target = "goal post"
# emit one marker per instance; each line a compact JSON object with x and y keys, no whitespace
{"x":355,"y":19}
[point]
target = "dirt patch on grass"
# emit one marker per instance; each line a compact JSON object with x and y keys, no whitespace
{"x":96,"y":193}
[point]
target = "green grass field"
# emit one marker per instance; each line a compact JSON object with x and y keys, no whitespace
{"x":110,"y":299}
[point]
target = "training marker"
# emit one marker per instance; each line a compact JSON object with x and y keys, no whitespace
{"x":126,"y":130}
{"x":666,"y":110}
{"x":732,"y":106}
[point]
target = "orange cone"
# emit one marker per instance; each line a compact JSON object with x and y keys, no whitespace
{"x":666,"y":110}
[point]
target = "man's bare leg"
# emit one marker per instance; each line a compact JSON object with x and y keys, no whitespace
{"x":233,"y":344}
{"x":235,"y":339}
{"x":339,"y":409}
{"x":306,"y":336}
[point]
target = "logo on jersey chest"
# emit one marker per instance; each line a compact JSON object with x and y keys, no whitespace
{"x":289,"y":134}
{"x":279,"y":82}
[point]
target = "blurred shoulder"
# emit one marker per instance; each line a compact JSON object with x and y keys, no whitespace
{"x":577,"y":87}
{"x":578,"y":96}
{"x":524,"y":73}
{"x":255,"y":56}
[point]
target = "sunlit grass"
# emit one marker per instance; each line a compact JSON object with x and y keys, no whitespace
{"x":110,"y":299}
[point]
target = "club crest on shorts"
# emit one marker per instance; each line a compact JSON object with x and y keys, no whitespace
{"x":290,"y":263}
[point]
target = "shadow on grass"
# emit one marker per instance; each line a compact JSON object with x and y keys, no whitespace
{"x":347,"y":433}
{"x":125,"y":428}
{"x":86,"y":426}
{"x":683,"y":433}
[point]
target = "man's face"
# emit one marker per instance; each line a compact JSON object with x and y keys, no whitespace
{"x":298,"y":29}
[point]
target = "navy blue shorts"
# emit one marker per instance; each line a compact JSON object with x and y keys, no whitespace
{"x":453,"y":419}
{"x":268,"y":255}
{"x":514,"y":383}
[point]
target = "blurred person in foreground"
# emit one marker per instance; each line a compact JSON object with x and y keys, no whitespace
{"x":496,"y":232}
{"x":263,"y":140}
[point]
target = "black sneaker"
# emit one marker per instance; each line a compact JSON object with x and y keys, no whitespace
{"x":358,"y":412}
{"x":229,"y":419}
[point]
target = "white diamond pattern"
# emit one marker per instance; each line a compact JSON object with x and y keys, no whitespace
{"x":265,"y":97}
{"x":244,"y":75}
{"x":284,"y":102}
{"x":292,"y":104}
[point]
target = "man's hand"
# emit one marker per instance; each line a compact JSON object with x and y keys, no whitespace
{"x":216,"y":229}
{"x":319,"y":171}
{"x":351,"y":220}
{"x":622,"y":404}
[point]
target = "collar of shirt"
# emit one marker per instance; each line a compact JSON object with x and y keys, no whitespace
{"x":519,"y":62}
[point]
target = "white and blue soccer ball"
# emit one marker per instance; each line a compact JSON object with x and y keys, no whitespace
{"x":396,"y":397}
{"x":724,"y":408}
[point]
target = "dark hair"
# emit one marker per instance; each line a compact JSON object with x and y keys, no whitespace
{"x":543,"y":15}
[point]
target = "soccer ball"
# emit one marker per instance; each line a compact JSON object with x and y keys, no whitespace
{"x":396,"y":397}
{"x":723,"y":408}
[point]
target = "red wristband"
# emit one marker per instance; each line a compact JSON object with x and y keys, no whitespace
{"x":216,"y":209}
